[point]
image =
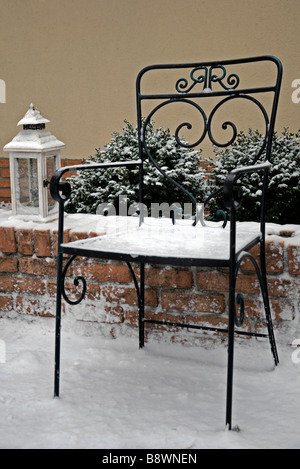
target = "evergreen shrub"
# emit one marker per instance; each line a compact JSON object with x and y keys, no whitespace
{"x":283,"y":195}
{"x":90,"y":188}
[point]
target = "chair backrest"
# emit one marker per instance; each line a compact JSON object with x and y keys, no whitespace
{"x":208,"y":102}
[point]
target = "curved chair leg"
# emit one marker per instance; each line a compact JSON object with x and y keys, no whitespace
{"x":140,"y":291}
{"x":231,"y":323}
{"x":264,"y":288}
{"x":58,"y":325}
{"x":262,"y":277}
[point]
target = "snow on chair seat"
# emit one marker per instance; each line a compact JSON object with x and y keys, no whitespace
{"x":159,"y":241}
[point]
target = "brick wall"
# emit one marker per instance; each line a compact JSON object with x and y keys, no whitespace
{"x":28,"y":284}
{"x":4,"y":180}
{"x":5,"y":194}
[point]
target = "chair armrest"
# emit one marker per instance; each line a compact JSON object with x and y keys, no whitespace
{"x":60,"y":191}
{"x":232,"y":197}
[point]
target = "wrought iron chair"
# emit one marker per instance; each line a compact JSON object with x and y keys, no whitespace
{"x":217,"y":86}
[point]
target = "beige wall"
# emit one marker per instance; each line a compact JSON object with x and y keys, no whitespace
{"x":77,"y":60}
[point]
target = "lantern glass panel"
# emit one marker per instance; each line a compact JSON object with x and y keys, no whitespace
{"x":27,"y":191}
{"x":51,"y":166}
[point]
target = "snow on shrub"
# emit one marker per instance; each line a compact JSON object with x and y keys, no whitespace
{"x":90,"y":188}
{"x":283,"y":196}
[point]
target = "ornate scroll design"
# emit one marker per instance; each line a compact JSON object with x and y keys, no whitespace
{"x":208,"y":76}
{"x":206,"y":130}
{"x":75,"y":282}
{"x":207,"y":123}
{"x":227,"y":124}
{"x":188,"y":125}
{"x":179,"y":141}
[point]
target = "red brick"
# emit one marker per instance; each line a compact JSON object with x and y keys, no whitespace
{"x":4,"y":183}
{"x":166,"y":317}
{"x":21,"y":285}
{"x":7,"y":240}
{"x":254,"y":308}
{"x":75,"y":235}
{"x":193,"y":302}
{"x":6,"y":304}
{"x":213,"y":281}
{"x":157,"y":277}
{"x":280,"y":309}
{"x":126,"y":295}
{"x":5,"y":195}
{"x":131,"y":318}
{"x":25,"y":242}
{"x":4,"y":162}
{"x":5,"y":173}
{"x":283,"y":310}
{"x":113,"y":314}
{"x":274,"y":257}
{"x":103,"y":272}
{"x":34,"y":307}
{"x":248,"y":284}
{"x":207,"y":320}
{"x":286,"y":233}
{"x":67,"y":162}
{"x":38,"y":266}
{"x":92,"y":291}
{"x":55,"y":239}
{"x":51,"y":287}
{"x":294,"y":259}
{"x":219,"y":282}
{"x":42,"y":243}
{"x":282,"y":287}
{"x":8,"y":264}
{"x":94,"y":234}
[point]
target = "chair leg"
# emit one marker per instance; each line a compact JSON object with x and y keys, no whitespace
{"x":141,"y":307}
{"x":264,"y":288}
{"x":58,"y":325}
{"x":230,"y":350}
{"x":140,"y":292}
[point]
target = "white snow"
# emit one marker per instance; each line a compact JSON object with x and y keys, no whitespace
{"x":165,"y":396}
{"x":34,"y":140}
{"x":33,"y":116}
{"x":114,"y":225}
{"x":159,"y":237}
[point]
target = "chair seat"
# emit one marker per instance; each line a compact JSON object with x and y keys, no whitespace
{"x":159,"y":241}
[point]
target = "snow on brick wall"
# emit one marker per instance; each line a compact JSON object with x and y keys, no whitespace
{"x":193,"y":295}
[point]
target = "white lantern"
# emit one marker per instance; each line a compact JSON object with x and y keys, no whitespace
{"x":34,"y":155}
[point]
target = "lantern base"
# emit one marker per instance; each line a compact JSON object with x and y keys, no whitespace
{"x":34,"y":218}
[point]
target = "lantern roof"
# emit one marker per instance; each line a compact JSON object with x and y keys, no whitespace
{"x":32,"y":117}
{"x":34,"y":137}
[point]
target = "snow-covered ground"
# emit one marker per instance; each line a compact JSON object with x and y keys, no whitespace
{"x":165,"y":396}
